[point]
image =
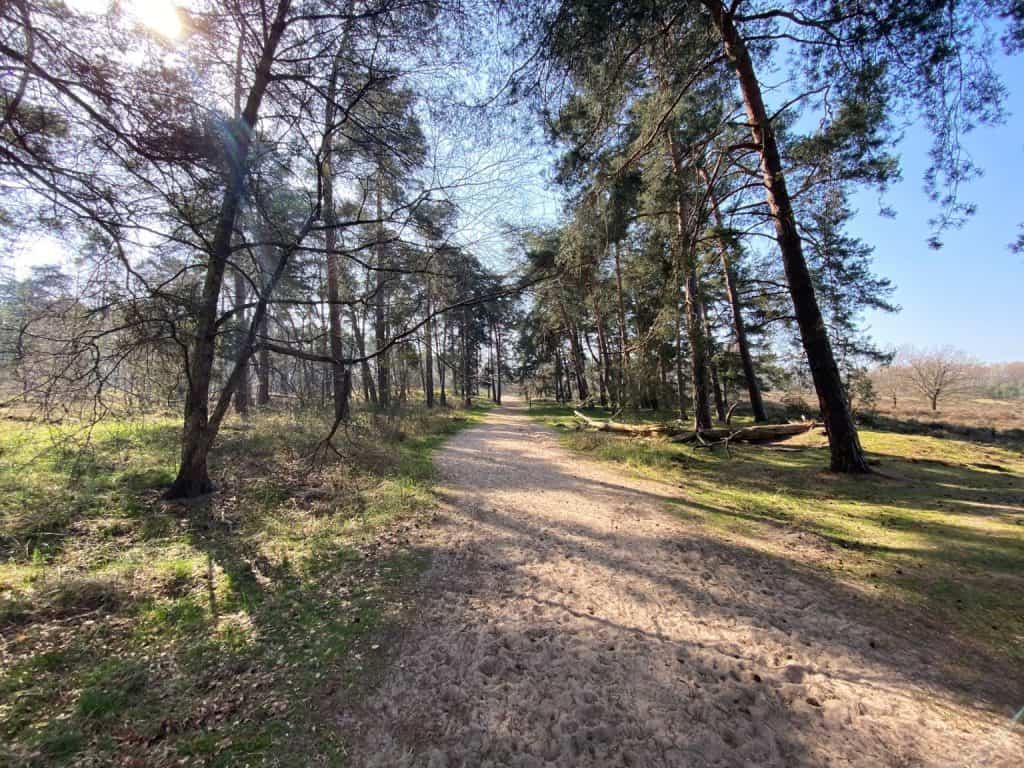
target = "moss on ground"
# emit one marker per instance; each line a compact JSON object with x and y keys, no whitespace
{"x":230,"y":631}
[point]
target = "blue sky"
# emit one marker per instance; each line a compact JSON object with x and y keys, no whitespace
{"x":969,"y":294}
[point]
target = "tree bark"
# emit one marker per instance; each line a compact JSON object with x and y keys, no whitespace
{"x":847,"y":455}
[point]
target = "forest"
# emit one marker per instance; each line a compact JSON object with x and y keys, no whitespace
{"x":429,"y":383}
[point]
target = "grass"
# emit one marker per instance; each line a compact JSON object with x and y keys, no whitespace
{"x":226,"y":632}
{"x":939,"y":526}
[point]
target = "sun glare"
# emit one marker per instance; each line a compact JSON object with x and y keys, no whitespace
{"x":161,"y":16}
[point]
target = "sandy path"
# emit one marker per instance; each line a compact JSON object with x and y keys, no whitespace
{"x":567,"y":620}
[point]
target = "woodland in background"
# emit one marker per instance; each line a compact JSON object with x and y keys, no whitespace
{"x":263,"y":207}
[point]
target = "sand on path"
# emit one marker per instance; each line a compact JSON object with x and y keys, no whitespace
{"x":569,"y":619}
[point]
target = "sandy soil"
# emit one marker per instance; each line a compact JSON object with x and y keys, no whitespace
{"x":568,"y":620}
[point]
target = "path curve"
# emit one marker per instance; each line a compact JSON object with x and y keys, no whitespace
{"x":569,"y":620}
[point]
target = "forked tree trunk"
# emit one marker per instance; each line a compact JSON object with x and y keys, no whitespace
{"x":602,"y":348}
{"x":844,"y":443}
{"x":193,"y":478}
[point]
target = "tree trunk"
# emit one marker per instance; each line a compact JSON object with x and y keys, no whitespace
{"x":844,"y":443}
{"x":601,"y":389}
{"x":242,"y":393}
{"x":193,"y":477}
{"x":442,"y":369}
{"x":739,"y":326}
{"x":624,"y":398}
{"x":497,"y":332}
{"x":467,"y":394}
{"x":369,"y":388}
{"x":680,"y":383}
{"x":694,"y":326}
{"x":263,"y":368}
{"x":602,"y":348}
{"x":428,"y":349}
{"x":341,"y":376}
{"x":716,"y":384}
{"x":380,"y":329}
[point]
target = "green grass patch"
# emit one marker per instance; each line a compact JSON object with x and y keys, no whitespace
{"x":222,"y":632}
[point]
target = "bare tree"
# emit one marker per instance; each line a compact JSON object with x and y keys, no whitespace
{"x":937,"y":372}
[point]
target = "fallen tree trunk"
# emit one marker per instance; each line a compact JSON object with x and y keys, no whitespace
{"x":761,"y":433}
{"x":618,"y":426}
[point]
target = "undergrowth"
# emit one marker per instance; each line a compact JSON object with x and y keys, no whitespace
{"x":228,"y":631}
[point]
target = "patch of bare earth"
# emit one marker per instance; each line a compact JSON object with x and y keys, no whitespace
{"x":568,"y":621}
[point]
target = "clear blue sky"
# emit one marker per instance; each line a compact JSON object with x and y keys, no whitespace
{"x":970,"y":294}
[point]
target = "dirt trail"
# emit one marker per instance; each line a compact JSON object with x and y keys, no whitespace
{"x":568,"y":620}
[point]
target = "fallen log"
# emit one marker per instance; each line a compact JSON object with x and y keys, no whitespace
{"x":618,"y":426}
{"x":760,"y":433}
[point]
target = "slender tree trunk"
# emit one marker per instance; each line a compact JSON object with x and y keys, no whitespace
{"x":602,"y":391}
{"x":193,"y":478}
{"x":844,"y":443}
{"x":624,"y":381}
{"x":694,"y":326}
{"x":242,"y":393}
{"x":369,"y":388}
{"x":497,"y":332}
{"x":380,"y":306}
{"x":739,"y":326}
{"x":467,"y":394}
{"x":428,"y":349}
{"x":602,"y":348}
{"x":442,"y":369}
{"x":680,"y":382}
{"x":716,"y":384}
{"x":263,"y":368}
{"x":341,"y":376}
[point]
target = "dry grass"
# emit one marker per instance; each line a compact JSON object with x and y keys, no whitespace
{"x":965,"y":412}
